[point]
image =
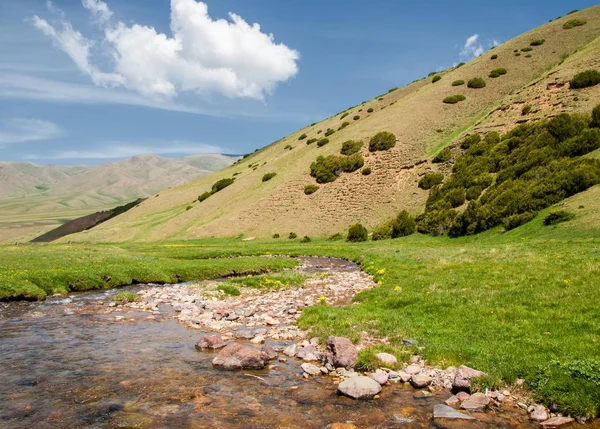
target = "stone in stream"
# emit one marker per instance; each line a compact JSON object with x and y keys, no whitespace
{"x":291,"y":350}
{"x":538,"y":413}
{"x":359,"y":387}
{"x":386,"y":358}
{"x":442,"y":411}
{"x":342,"y":352}
{"x":238,"y":356}
{"x":464,"y":375}
{"x":310,"y":369}
{"x":213,"y":341}
{"x":413,"y":369}
{"x":420,"y":381}
{"x":380,"y":377}
{"x":477,"y":402}
{"x":557,"y":421}
{"x":247,"y":334}
{"x":268,"y":352}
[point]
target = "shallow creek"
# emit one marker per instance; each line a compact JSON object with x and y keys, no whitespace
{"x":67,"y":363}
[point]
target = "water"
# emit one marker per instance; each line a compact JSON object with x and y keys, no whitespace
{"x":65,"y":364}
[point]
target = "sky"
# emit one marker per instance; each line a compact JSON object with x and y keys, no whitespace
{"x":90,"y":81}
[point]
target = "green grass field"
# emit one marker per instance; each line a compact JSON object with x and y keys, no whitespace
{"x":516,"y":304}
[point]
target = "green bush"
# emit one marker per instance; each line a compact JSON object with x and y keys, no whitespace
{"x":302,"y":137}
{"x":356,"y":118}
{"x":383,"y":231}
{"x":458,"y":82}
{"x":275,"y":236}
{"x":344,"y":115}
{"x":221,"y":184}
{"x":436,"y":78}
{"x":527,"y":49}
{"x":518,"y":54}
{"x":497,"y":73}
{"x":494,"y":57}
{"x":574,"y":23}
{"x":305,"y":239}
{"x":352,"y":163}
{"x":370,"y":110}
{"x":229,"y":290}
{"x":382,"y":141}
{"x":557,"y":217}
{"x":310,"y":189}
{"x":126,"y":297}
{"x":517,"y":220}
{"x":204,"y":196}
{"x":460,"y":64}
{"x":292,"y":235}
{"x":403,"y":225}
{"x":444,"y":155}
{"x":311,"y":141}
{"x":476,"y":83}
{"x":392,"y":90}
{"x":585,"y":79}
{"x":526,"y":109}
{"x":537,"y":42}
{"x":470,"y":141}
{"x":528,"y":56}
{"x":344,"y":125}
{"x":327,"y":169}
{"x":430,"y":180}
{"x":322,"y":142}
{"x":351,"y":147}
{"x":357,"y":233}
{"x":453,"y":99}
{"x":329,"y":132}
{"x":366,"y":171}
{"x":335,"y":237}
{"x":595,"y":117}
{"x":268,"y":176}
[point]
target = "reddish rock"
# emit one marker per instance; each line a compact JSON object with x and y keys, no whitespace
{"x":464,"y":375}
{"x":538,"y":413}
{"x":557,"y":421}
{"x":477,"y":402}
{"x":343,"y":352}
{"x":238,"y":356}
{"x":210,"y":342}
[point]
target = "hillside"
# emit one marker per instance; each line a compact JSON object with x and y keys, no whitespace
{"x":537,"y":75}
{"x":35,"y":198}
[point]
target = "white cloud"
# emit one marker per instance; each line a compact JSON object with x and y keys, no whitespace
{"x":22,"y":130}
{"x":473,"y":47}
{"x":202,"y":56}
{"x":126,"y":150}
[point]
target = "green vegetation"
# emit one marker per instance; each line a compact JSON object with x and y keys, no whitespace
{"x":557,"y":217}
{"x":268,"y":176}
{"x":532,"y":167}
{"x":302,"y":136}
{"x":445,"y":155}
{"x":344,"y":115}
{"x":370,"y":110}
{"x":458,"y":82}
{"x":292,"y":236}
{"x":204,"y":196}
{"x":351,"y":147}
{"x":476,"y":83}
{"x":366,"y":171}
{"x":329,"y":132}
{"x":357,"y":233}
{"x":574,"y":23}
{"x":585,"y":79}
{"x":344,"y":125}
{"x":527,"y":49}
{"x":436,"y":78}
{"x":430,"y":180}
{"x":126,"y":297}
{"x":310,"y":189}
{"x":497,"y":73}
{"x":219,"y":185}
{"x":275,"y":236}
{"x":526,"y":109}
{"x":537,"y":42}
{"x":392,"y":90}
{"x":281,"y":280}
{"x":469,"y":141}
{"x":305,"y":239}
{"x":453,"y":99}
{"x":322,"y":142}
{"x":404,"y":225}
{"x":595,"y":117}
{"x":229,"y":289}
{"x":382,"y":141}
{"x":311,"y":141}
{"x":494,"y":57}
{"x":356,"y":118}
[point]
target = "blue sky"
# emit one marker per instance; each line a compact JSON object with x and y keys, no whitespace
{"x":88,"y":81}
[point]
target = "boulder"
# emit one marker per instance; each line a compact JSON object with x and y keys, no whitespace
{"x":413,"y":369}
{"x":310,"y":369}
{"x":464,"y":375}
{"x":359,"y":387}
{"x":386,"y":358}
{"x":477,"y":402}
{"x":420,"y":381}
{"x":343,"y":352}
{"x":238,"y":356}
{"x":557,"y":421}
{"x":442,"y":411}
{"x":213,"y":341}
{"x":380,"y":377}
{"x":538,"y":413}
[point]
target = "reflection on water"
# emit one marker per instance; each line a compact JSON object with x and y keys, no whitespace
{"x":63,"y":364}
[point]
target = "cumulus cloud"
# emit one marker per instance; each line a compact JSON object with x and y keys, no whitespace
{"x":202,"y":55}
{"x":473,"y":47}
{"x":22,"y":130}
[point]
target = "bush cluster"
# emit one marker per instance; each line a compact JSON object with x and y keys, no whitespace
{"x":458,"y":82}
{"x":508,"y":179}
{"x":436,"y":78}
{"x":537,"y":42}
{"x":327,"y":169}
{"x":268,"y":176}
{"x":430,"y":180}
{"x":557,"y":217}
{"x":453,"y":99}
{"x":357,"y":233}
{"x":310,"y":189}
{"x":585,"y":79}
{"x":344,"y":115}
{"x":292,"y":235}
{"x":476,"y":83}
{"x":574,"y":23}
{"x":382,"y":141}
{"x":302,"y":137}
{"x":497,"y":73}
{"x":322,"y":142}
{"x":351,"y":147}
{"x":329,"y":132}
{"x":204,"y":196}
{"x":305,"y":239}
{"x":311,"y":141}
{"x":216,"y":187}
{"x":445,"y":155}
{"x":526,"y":109}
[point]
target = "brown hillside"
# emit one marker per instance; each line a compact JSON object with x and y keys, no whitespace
{"x":415,"y":114}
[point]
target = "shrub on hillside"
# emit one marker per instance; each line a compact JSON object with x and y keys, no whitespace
{"x":383,"y":231}
{"x":574,"y":23}
{"x":366,"y":171}
{"x":382,"y":141}
{"x":344,"y":125}
{"x":204,"y":196}
{"x":497,"y":73}
{"x":453,"y":99}
{"x":403,"y":225}
{"x":517,"y":220}
{"x":392,"y":89}
{"x":445,"y":155}
{"x":268,"y":176}
{"x":311,"y":141}
{"x":527,"y":49}
{"x":221,"y":184}
{"x":585,"y":79}
{"x":302,"y":137}
{"x":322,"y":142}
{"x":327,"y":169}
{"x":557,"y":217}
{"x":344,"y":115}
{"x":430,"y":180}
{"x":275,"y":236}
{"x":305,"y":239}
{"x":310,"y":189}
{"x":470,"y":141}
{"x":292,"y":236}
{"x":526,"y":109}
{"x":329,"y":132}
{"x":458,"y":82}
{"x":595,"y":117}
{"x":357,"y":233}
{"x":356,"y":118}
{"x":351,"y":147}
{"x":436,"y":78}
{"x":537,"y":42}
{"x":335,"y":237}
{"x":352,"y":163}
{"x":494,"y":57}
{"x":460,"y":64}
{"x":476,"y":83}
{"x":370,"y":110}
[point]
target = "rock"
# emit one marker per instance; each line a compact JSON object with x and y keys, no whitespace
{"x":404,"y":377}
{"x":410,"y":342}
{"x":247,"y":334}
{"x":342,"y":426}
{"x":268,"y":352}
{"x":380,"y":377}
{"x":310,"y":357}
{"x":259,"y":339}
{"x":238,"y":356}
{"x":270,"y":321}
{"x":477,"y":402}
{"x":282,"y":359}
{"x":557,"y":421}
{"x":413,"y":369}
{"x":452,"y":400}
{"x":393,"y":374}
{"x":414,"y":359}
{"x":386,"y":358}
{"x":420,"y":380}
{"x":359,"y":387}
{"x":213,"y":341}
{"x":343,"y":352}
{"x":442,"y":411}
{"x":307,"y":350}
{"x":462,"y":396}
{"x":291,"y":350}
{"x":464,"y":375}
{"x":310,"y":369}
{"x":538,"y":413}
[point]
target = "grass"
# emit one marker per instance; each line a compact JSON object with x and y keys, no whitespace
{"x":126,"y":297}
{"x":269,"y":281}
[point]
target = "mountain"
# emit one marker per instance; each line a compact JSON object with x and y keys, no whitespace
{"x":35,"y":198}
{"x":531,"y":70}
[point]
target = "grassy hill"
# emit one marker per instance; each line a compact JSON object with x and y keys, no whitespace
{"x":537,"y":74}
{"x":36,"y":198}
